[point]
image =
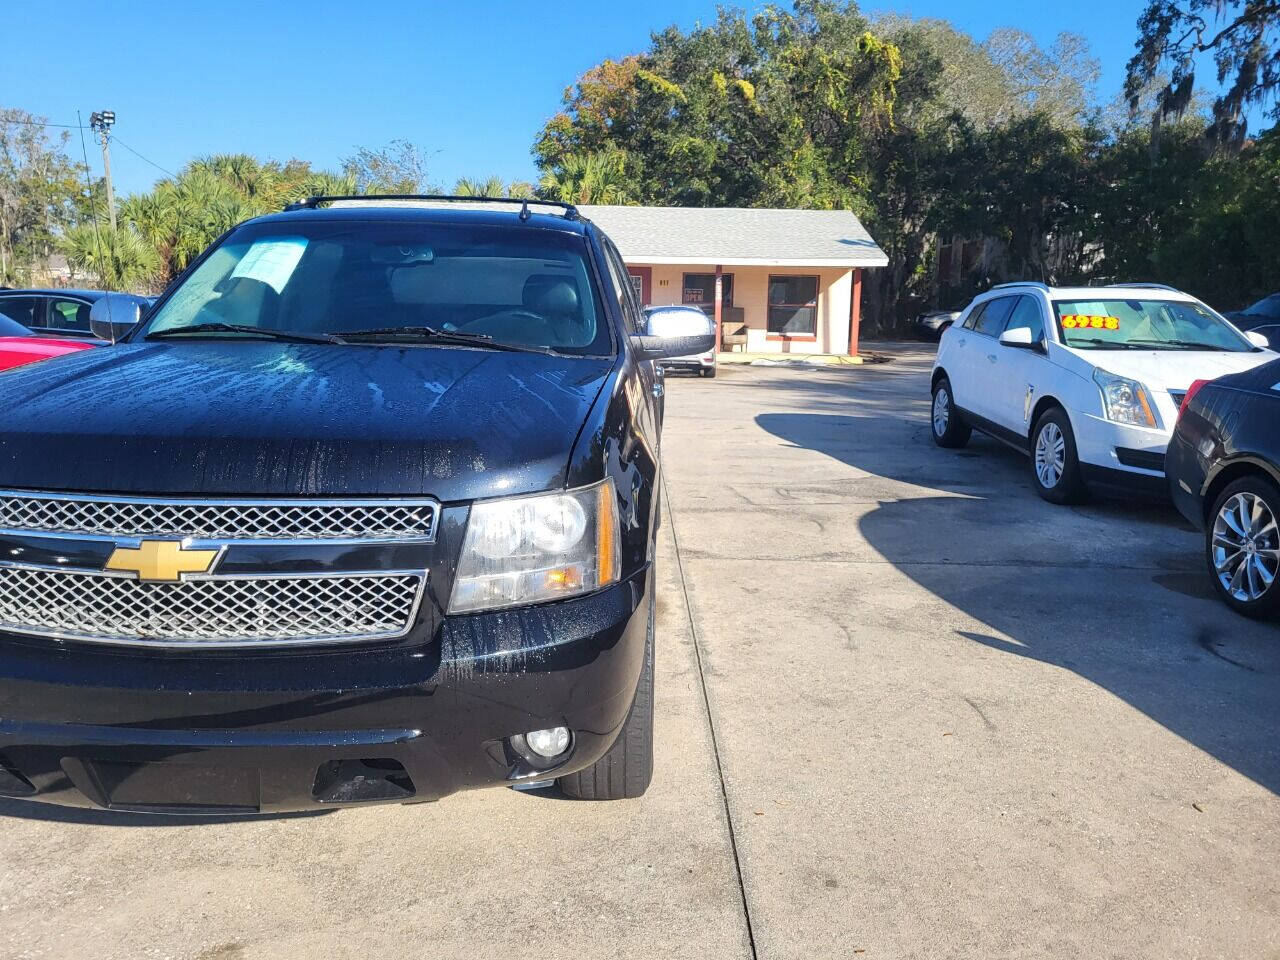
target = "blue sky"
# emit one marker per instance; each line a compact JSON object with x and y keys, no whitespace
{"x":471,"y":83}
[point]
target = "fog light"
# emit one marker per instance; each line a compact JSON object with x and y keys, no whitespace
{"x":548,"y":743}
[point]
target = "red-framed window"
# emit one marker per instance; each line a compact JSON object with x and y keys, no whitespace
{"x":793,"y":307}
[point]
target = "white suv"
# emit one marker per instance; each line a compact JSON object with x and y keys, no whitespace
{"x":1088,"y":380}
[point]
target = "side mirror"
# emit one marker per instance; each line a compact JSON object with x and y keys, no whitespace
{"x":114,"y":315}
{"x":675,"y":332}
{"x":1019,"y":337}
{"x":1258,"y":339}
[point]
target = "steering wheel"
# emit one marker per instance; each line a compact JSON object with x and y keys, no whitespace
{"x":515,"y":314}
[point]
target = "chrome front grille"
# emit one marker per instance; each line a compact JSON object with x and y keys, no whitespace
{"x":208,"y":611}
{"x":373,"y":520}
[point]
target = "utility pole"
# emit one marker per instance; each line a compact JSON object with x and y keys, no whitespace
{"x":101,"y":121}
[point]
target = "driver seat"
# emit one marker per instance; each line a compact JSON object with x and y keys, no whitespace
{"x":554,"y":297}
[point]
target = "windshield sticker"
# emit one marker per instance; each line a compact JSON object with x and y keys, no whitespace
{"x":271,"y":261}
{"x":1083,"y":321}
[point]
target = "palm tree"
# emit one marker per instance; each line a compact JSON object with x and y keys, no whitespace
{"x":182,"y":216}
{"x":123,"y":261}
{"x":585,"y":178}
{"x":492,"y":186}
{"x":244,"y":173}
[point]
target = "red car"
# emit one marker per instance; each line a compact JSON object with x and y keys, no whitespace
{"x":18,"y":346}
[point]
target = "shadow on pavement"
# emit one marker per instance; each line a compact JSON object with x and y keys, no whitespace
{"x":1114,"y":591}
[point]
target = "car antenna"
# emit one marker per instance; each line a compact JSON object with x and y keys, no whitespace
{"x":524,"y":209}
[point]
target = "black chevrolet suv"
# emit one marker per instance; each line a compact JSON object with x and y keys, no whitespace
{"x":362,"y":510}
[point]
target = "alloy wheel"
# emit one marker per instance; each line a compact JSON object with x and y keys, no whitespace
{"x":1051,"y":455}
{"x":941,"y":411}
{"x":1246,"y":548}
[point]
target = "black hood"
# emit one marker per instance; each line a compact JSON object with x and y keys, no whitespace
{"x":280,"y":419}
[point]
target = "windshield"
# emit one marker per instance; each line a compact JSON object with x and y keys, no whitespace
{"x":1145,"y":325}
{"x":524,"y":287}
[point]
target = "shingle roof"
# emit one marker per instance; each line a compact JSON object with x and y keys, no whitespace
{"x":738,"y":235}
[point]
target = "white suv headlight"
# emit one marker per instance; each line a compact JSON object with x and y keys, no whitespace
{"x":1125,"y":400}
{"x":531,"y":549}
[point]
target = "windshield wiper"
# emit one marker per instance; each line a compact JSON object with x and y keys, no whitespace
{"x":267,"y":333}
{"x":436,"y":335}
{"x":1099,"y":342}
{"x":1179,"y":344}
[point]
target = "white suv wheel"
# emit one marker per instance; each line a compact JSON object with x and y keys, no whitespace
{"x":1051,"y":455}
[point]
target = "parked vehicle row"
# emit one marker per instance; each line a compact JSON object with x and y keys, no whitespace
{"x":1090,"y":382}
{"x":42,"y":324}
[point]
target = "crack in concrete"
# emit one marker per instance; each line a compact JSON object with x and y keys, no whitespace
{"x":711,"y":725}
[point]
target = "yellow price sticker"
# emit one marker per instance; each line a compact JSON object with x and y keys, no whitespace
{"x":1086,"y":321}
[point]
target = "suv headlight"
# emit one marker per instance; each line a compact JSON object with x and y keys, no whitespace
{"x":1125,"y":400}
{"x":531,"y":549}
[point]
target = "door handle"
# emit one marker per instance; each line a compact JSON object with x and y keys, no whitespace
{"x":657,"y":391}
{"x":991,"y":357}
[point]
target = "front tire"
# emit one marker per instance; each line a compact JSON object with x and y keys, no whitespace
{"x":626,"y":770}
{"x":949,"y":429}
{"x":1055,"y":467}
{"x":1242,"y":546}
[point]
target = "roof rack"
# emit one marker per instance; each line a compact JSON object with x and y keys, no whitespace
{"x":311,"y":203}
{"x":1153,"y":286}
{"x":1021,"y":283}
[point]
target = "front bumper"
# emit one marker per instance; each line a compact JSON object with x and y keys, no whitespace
{"x":1110,"y":454}
{"x":270,"y":731}
{"x":696,"y":363}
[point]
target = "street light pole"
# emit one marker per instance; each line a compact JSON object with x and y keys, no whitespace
{"x":101,"y":122}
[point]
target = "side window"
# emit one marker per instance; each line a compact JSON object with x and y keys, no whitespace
{"x":993,"y":317}
{"x":22,"y":310}
{"x":1027,"y":313}
{"x":974,"y":314}
{"x":69,"y":315}
{"x":623,"y":289}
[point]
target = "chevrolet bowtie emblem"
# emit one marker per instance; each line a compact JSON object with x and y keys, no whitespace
{"x":160,"y":560}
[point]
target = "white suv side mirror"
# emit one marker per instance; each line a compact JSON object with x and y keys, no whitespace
{"x":1258,"y":339}
{"x":1018,"y":337}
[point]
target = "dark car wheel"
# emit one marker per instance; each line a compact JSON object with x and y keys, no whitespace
{"x":1055,"y":468}
{"x":625,"y":771}
{"x":1242,"y":546}
{"x":708,"y":371}
{"x":949,"y":428}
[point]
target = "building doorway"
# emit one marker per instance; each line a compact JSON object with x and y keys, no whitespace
{"x":699,"y":290}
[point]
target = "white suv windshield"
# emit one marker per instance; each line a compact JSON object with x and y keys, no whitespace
{"x":1143,"y":324}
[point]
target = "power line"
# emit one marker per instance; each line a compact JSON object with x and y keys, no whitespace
{"x":144,"y":159}
{"x":43,"y":123}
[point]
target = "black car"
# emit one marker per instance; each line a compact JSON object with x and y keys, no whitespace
{"x":1224,"y":474}
{"x":362,"y":510}
{"x":932,"y":324}
{"x":52,"y":312}
{"x":1262,"y":317}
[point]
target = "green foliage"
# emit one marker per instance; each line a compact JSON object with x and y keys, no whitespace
{"x":399,"y":167}
{"x":928,"y":135}
{"x":588,"y":178}
{"x":123,"y":261}
{"x":41,"y":194}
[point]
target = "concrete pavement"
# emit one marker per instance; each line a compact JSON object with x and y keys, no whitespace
{"x":926,"y":715}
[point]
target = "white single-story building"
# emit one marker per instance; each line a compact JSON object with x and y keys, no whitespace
{"x":776,"y":281}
